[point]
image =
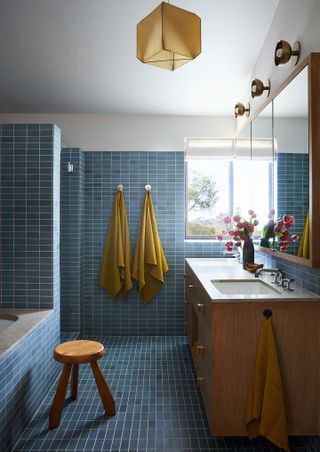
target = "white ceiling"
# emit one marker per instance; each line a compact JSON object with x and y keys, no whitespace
{"x":78,"y":56}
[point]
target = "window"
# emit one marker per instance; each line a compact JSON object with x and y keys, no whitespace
{"x":209,"y":200}
{"x":217,"y":187}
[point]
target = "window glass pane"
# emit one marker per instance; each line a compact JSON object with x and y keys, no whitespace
{"x":208,"y":201}
{"x":248,"y":176}
{"x":242,"y":187}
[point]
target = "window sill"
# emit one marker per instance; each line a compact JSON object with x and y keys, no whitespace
{"x":200,"y":240}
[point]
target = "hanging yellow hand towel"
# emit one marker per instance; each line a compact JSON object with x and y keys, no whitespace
{"x":265,"y":413}
{"x":149,"y":263}
{"x":303,"y":250}
{"x":115,"y":273}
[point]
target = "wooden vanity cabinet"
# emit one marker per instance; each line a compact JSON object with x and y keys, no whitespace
{"x":227,"y":336}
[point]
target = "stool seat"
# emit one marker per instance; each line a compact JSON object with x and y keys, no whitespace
{"x":78,"y":352}
{"x":71,"y":354}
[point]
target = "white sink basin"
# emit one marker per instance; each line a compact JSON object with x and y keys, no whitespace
{"x":244,"y":287}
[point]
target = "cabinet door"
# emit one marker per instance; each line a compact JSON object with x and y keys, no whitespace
{"x":191,"y":317}
{"x":205,"y":351}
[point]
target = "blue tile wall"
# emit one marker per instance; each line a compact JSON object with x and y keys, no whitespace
{"x":72,"y":208}
{"x":103,"y":171}
{"x":30,"y":267}
{"x":26,"y":373}
{"x":293,"y":190}
{"x":56,"y":190}
{"x":26,"y":224}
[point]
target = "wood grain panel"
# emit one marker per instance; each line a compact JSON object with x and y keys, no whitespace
{"x":236,"y":330}
{"x":314,"y":151}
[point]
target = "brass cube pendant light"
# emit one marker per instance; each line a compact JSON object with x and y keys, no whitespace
{"x":169,"y":37}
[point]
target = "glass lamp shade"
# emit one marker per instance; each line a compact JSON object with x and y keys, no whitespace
{"x":168,"y":37}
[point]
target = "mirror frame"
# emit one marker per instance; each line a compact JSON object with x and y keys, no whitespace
{"x":313,"y":63}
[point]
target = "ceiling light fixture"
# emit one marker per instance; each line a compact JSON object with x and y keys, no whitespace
{"x":168,"y":37}
{"x":284,"y":52}
{"x":257,"y":87}
{"x":240,"y":110}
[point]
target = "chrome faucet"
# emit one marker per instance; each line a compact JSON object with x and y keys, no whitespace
{"x":277,"y":273}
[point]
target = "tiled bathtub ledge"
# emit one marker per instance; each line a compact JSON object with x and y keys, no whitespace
{"x":27,"y":321}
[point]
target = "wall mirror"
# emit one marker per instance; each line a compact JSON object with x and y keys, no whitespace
{"x":285,"y":141}
{"x":290,"y":112}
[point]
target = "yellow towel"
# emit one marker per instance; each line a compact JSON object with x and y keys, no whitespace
{"x":265,"y":409}
{"x":115,"y":273}
{"x":303,"y":250}
{"x":149,"y":263}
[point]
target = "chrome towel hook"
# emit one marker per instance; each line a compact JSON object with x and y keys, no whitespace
{"x":148,"y":187}
{"x":120,"y":187}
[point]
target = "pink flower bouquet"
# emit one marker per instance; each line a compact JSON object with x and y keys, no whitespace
{"x":238,"y":229}
{"x":282,"y":231}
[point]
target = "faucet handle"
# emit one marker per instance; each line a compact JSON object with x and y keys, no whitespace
{"x":277,"y":278}
{"x":286,"y":283}
{"x":274,"y":277}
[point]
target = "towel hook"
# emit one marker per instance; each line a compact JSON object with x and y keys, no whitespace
{"x":120,"y":187}
{"x":148,"y":187}
{"x":267,"y":313}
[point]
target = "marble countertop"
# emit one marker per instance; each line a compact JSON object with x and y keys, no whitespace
{"x":207,"y":270}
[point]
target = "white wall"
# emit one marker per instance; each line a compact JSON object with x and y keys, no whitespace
{"x":130,"y":133}
{"x":294,"y":20}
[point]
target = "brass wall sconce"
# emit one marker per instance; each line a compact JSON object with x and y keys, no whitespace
{"x":257,"y":87}
{"x":284,"y":52}
{"x":240,"y":110}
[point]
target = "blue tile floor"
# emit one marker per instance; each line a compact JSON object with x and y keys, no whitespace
{"x":159,"y":407}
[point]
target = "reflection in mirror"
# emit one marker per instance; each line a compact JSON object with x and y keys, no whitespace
{"x":292,"y":161}
{"x":242,"y":174}
{"x":262,"y":190}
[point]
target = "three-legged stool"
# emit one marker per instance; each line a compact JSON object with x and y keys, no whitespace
{"x":71,"y":354}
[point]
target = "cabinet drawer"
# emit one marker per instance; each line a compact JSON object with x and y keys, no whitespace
{"x":204,"y":379}
{"x":205,"y":349}
{"x":204,"y":309}
{"x":192,"y":291}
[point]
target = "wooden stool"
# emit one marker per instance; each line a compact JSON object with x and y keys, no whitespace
{"x":72,"y":354}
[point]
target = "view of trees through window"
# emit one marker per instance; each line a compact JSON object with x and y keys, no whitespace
{"x":221,"y":187}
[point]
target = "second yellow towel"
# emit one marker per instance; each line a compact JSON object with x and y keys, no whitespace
{"x":115,"y":273}
{"x":303,"y":250}
{"x":265,"y":409}
{"x":149,"y":264}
